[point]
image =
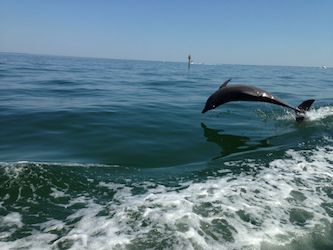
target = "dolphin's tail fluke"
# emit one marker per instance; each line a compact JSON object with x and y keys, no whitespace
{"x":303,"y":107}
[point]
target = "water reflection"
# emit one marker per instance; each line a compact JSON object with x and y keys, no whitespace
{"x":231,"y":144}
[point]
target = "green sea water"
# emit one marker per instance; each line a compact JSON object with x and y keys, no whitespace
{"x":115,"y":154}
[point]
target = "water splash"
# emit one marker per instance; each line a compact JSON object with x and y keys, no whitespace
{"x":289,"y":198}
{"x":320,"y":113}
{"x":311,"y":115}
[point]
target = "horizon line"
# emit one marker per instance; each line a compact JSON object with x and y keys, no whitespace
{"x":164,"y":61}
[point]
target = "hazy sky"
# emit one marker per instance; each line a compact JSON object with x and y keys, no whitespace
{"x":276,"y":32}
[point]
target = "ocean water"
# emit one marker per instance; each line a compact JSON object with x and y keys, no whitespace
{"x":115,"y":154}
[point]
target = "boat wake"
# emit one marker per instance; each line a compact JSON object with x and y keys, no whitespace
{"x":281,"y":202}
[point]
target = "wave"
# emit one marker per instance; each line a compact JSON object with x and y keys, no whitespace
{"x":19,"y":164}
{"x":284,"y":201}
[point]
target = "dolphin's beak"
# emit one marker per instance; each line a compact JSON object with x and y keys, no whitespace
{"x":204,"y":110}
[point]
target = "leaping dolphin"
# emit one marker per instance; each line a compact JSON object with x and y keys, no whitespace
{"x":250,"y":93}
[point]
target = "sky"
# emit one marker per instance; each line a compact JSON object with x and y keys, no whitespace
{"x":260,"y":32}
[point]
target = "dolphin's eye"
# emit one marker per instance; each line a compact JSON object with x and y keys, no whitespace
{"x":214,"y":106}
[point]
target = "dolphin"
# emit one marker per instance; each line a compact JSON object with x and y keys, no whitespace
{"x":227,"y":93}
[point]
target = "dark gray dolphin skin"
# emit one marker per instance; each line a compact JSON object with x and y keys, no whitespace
{"x":227,"y":93}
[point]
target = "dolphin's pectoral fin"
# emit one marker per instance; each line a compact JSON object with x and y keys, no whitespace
{"x":225,"y":83}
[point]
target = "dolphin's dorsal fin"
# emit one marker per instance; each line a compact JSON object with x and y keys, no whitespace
{"x":225,"y":83}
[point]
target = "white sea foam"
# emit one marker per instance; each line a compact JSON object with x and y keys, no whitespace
{"x":283,"y":201}
{"x":311,"y":115}
{"x":319,"y":114}
{"x":12,"y":219}
{"x":10,"y":222}
{"x":57,"y":193}
{"x":38,"y":241}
